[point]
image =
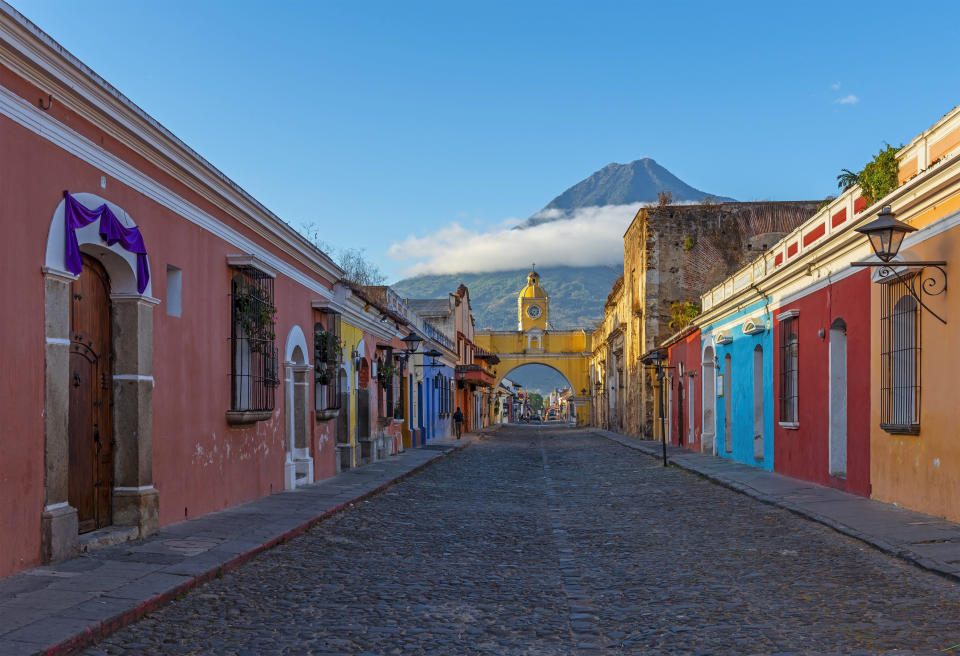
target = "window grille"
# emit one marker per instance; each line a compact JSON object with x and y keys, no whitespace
{"x":327,"y":354}
{"x":254,"y":374}
{"x":387,"y":392}
{"x":789,"y":365}
{"x":900,"y":360}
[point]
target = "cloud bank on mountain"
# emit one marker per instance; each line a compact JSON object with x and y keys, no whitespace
{"x":586,"y":236}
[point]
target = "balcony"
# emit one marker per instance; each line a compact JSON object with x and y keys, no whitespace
{"x":474,"y":373}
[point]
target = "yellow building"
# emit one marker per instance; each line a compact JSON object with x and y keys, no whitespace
{"x":535,"y":342}
{"x":914,"y":450}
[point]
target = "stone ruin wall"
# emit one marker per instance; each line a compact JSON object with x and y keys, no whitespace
{"x":679,"y":251}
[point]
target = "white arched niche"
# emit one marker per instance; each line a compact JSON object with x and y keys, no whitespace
{"x":298,"y":464}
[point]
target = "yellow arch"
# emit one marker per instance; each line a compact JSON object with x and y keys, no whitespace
{"x":567,"y":351}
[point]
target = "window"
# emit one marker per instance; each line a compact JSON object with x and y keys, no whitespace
{"x":174,"y":291}
{"x":327,"y":353}
{"x":789,"y":364}
{"x":387,"y":383}
{"x":254,"y":375}
{"x":900,"y":360}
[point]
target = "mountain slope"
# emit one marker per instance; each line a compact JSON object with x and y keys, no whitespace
{"x":577,"y":294}
{"x":620,"y":184}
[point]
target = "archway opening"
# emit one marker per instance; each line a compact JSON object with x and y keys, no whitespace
{"x":542,"y":393}
{"x":838,"y":398}
{"x":727,"y":403}
{"x":758,"y":432}
{"x":709,"y":379}
{"x":118,"y":433}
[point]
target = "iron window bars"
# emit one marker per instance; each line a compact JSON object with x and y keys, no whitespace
{"x":254,"y":373}
{"x":789,"y":366}
{"x":900,"y":358}
{"x":327,"y":353}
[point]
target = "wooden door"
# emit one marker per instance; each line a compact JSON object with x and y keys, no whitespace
{"x":90,"y":429}
{"x":680,"y":412}
{"x":343,"y":419}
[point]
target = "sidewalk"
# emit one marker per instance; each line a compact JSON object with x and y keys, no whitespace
{"x":61,"y":608}
{"x":931,"y":543}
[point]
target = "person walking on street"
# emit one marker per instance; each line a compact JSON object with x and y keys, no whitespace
{"x":458,"y":421}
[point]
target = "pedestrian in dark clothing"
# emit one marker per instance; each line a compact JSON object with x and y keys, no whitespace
{"x":458,"y":421}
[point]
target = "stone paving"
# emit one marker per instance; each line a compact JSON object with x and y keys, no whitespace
{"x":556,"y":541}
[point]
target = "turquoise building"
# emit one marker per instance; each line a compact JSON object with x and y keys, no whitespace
{"x":739,"y":406}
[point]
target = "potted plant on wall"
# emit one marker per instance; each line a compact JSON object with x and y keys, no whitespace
{"x":385,"y":374}
{"x":256,"y":316}
{"x":327,"y":354}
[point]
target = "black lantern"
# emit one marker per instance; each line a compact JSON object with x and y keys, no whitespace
{"x":886,"y":234}
{"x":654,"y":358}
{"x":412,"y":341}
{"x":927,"y":277}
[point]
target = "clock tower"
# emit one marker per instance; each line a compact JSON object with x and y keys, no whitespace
{"x":533,"y":305}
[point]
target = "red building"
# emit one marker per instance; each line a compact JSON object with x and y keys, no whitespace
{"x":829,"y":443}
{"x":684,"y":398}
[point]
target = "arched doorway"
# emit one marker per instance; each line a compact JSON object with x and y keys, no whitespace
{"x":344,"y":447}
{"x":102,"y":428}
{"x":838,"y":398}
{"x":727,"y":403}
{"x":298,"y":466}
{"x":709,"y":382}
{"x":545,"y":390}
{"x":90,"y":428}
{"x":758,"y":427}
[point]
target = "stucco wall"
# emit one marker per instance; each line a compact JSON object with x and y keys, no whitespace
{"x":805,"y":452}
{"x":922,"y":471}
{"x":741,"y":384}
{"x":685,"y":355}
{"x":200,"y":464}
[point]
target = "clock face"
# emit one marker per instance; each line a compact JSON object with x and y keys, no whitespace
{"x":533,"y":311}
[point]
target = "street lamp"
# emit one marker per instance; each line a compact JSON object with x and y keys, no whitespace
{"x":433,"y":354}
{"x":886,"y":235}
{"x":413,"y":342}
{"x":655,"y":359}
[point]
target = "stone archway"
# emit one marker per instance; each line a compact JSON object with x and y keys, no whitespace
{"x":298,"y":464}
{"x":577,"y":409}
{"x":134,"y":499}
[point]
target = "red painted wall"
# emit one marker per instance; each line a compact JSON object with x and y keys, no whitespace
{"x":686,"y":353}
{"x":805,"y":452}
{"x":200,"y":464}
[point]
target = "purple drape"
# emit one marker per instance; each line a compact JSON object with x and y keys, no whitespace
{"x":111,"y":231}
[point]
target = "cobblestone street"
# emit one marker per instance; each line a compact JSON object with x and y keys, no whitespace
{"x":556,"y":541}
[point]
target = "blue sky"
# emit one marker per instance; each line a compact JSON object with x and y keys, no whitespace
{"x":411,"y":124}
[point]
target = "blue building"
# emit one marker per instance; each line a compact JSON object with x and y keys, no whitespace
{"x":738,"y":410}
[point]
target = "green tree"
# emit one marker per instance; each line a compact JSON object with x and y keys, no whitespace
{"x":536,"y":402}
{"x":877,"y":179}
{"x":681,"y":314}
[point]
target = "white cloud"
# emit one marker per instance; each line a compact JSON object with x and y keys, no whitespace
{"x":835,"y":86}
{"x":849,"y":99}
{"x":589,"y":236}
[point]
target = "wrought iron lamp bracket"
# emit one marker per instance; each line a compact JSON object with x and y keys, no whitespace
{"x":932,"y":283}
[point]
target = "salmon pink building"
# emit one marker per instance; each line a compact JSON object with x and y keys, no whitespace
{"x":172,"y":347}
